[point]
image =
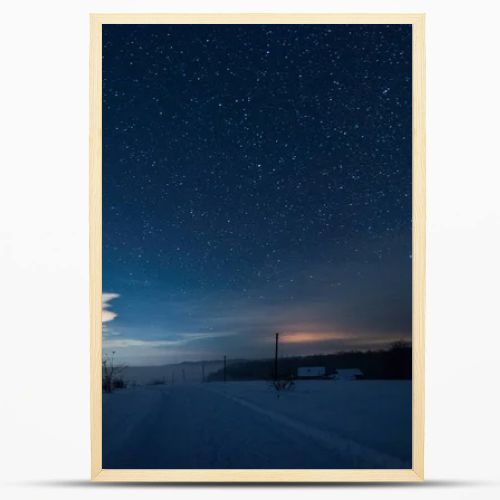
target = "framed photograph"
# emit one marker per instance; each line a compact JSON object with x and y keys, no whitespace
{"x":257,"y":247}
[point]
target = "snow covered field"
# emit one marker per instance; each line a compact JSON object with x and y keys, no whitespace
{"x":320,"y":424}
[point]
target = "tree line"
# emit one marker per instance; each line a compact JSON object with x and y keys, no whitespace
{"x":394,"y":363}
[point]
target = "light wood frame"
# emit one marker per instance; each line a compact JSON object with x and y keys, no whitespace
{"x":258,"y":475}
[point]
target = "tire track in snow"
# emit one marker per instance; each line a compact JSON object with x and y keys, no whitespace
{"x":327,"y":439}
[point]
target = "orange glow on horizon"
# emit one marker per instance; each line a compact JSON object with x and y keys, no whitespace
{"x":302,"y":337}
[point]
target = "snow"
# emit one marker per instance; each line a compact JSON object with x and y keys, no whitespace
{"x":319,"y":424}
{"x":348,"y":373}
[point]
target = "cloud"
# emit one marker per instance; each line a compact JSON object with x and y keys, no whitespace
{"x":123,"y":343}
{"x":107,"y":314}
{"x":108,"y":296}
{"x":175,"y":340}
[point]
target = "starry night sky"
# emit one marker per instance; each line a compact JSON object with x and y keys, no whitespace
{"x":256,"y":178}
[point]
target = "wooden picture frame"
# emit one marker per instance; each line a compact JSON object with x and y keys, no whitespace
{"x":418,"y":262}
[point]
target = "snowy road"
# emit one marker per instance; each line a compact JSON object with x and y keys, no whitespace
{"x":244,"y":425}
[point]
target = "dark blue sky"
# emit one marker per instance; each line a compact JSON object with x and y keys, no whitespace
{"x":256,"y":178}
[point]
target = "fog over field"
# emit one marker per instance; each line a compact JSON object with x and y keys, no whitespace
{"x":174,"y":373}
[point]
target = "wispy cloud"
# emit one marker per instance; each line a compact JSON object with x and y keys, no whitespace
{"x":123,"y":343}
{"x":107,"y":314}
{"x":174,"y":340}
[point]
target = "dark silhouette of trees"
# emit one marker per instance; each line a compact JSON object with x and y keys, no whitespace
{"x":394,"y":363}
{"x":111,"y":374}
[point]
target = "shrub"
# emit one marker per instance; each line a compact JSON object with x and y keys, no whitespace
{"x":282,"y":385}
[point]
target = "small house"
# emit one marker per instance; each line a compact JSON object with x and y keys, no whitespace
{"x":348,"y":374}
{"x":311,"y":372}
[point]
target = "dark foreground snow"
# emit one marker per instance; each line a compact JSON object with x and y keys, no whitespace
{"x":321,"y":424}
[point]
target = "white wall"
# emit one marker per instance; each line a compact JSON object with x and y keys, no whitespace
{"x":44,"y":440}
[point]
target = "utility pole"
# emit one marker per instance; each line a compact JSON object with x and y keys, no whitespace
{"x":203,"y":371}
{"x":224,"y":368}
{"x":276,"y":358}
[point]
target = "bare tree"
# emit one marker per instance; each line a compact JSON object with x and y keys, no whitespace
{"x":282,"y":385}
{"x":111,"y":372}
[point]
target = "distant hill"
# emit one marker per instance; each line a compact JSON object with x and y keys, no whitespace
{"x":388,"y":364}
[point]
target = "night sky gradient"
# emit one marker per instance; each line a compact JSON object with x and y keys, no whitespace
{"x":256,"y":178}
